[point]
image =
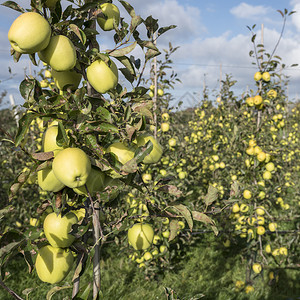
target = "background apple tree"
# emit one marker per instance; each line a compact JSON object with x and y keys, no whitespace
{"x":92,"y":122}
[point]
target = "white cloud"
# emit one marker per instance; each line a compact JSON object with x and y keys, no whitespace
{"x":247,"y":11}
{"x":296,"y":16}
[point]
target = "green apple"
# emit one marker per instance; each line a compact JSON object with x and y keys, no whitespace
{"x":148,"y":256}
{"x":140,"y":236}
{"x":112,"y":15}
{"x":53,"y":264}
{"x":66,"y":79}
{"x":60,"y":54}
{"x":155,"y":154}
{"x":121,"y":152}
{"x":49,"y":140}
{"x":103,"y":77}
{"x":94,"y":183}
{"x":48,"y":181}
{"x":166,"y":234}
{"x":162,"y":248}
{"x":57,"y":229}
{"x":29,"y":33}
{"x":72,"y":167}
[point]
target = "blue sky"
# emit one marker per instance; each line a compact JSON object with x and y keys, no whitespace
{"x":209,"y":33}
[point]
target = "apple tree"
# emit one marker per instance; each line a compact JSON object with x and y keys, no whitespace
{"x":94,"y":139}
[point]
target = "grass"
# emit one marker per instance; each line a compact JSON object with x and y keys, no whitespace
{"x":208,"y":269}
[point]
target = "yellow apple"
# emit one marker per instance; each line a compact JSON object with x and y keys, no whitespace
{"x":148,"y":256}
{"x":266,"y":76}
{"x":256,"y":268}
{"x":48,"y":181}
{"x":250,"y":101}
{"x":112,"y":15}
{"x":181,"y":175}
{"x":258,"y":100}
{"x":165,"y":127}
{"x":53,"y":264}
{"x":172,"y":142}
{"x":151,"y":94}
{"x":72,"y":167}
{"x":156,"y":152}
{"x":66,"y":79}
{"x":146,"y":177}
{"x":57,"y":229}
{"x":29,"y":33}
{"x":165,"y":116}
{"x":44,"y":83}
{"x":60,"y":54}
{"x":49,"y":140}
{"x":103,"y":77}
{"x":140,"y":236}
{"x":94,"y":183}
{"x":160,"y":92}
{"x":257,"y":76}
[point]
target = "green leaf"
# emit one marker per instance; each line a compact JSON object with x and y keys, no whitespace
{"x":130,"y":166}
{"x":142,"y":152}
{"x":151,"y":54}
{"x":171,"y":189}
{"x":79,"y":33}
{"x":85,"y":293}
{"x":23,"y":127}
{"x":5,"y":211}
{"x":127,"y":74}
{"x":42,"y":156}
{"x":30,"y":89}
{"x":56,"y":289}
{"x":235,"y":189}
{"x":128,"y":8}
{"x":104,"y":114}
{"x":201,"y":217}
{"x":143,"y":108}
{"x":174,"y":227}
{"x":13,"y":5}
{"x":122,"y":51}
{"x":62,"y":138}
{"x":9,"y":248}
{"x":164,"y":29}
{"x":127,"y":63}
{"x":91,"y":141}
{"x":80,"y":266}
{"x":151,"y":25}
{"x":106,"y":127}
{"x":211,"y":196}
{"x":185,"y":212}
{"x":135,"y":22}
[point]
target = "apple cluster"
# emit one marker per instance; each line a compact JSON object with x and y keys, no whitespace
{"x":31,"y":33}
